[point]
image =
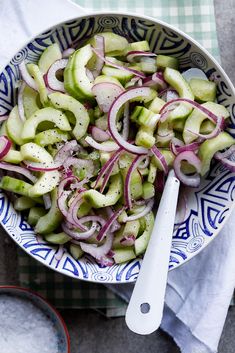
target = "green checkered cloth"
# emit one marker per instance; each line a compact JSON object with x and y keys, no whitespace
{"x":195,"y":17}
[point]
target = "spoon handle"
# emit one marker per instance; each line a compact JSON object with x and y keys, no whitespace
{"x":144,"y":312}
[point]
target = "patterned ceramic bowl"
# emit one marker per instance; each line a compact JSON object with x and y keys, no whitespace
{"x":46,"y":308}
{"x":209,"y":206}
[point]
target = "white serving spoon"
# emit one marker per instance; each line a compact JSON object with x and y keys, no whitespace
{"x":144,"y":312}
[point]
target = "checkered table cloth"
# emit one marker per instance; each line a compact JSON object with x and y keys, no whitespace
{"x":195,"y":17}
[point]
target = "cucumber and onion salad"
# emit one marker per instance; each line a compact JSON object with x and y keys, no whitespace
{"x":93,"y":135}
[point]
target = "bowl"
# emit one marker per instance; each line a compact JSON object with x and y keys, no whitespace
{"x":208,"y":207}
{"x":50,"y":312}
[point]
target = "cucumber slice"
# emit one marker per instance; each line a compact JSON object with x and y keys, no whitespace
{"x":45,"y":183}
{"x":48,"y":57}
{"x":76,"y":251}
{"x":51,"y":136}
{"x":15,"y":185}
{"x":23,"y":203}
{"x":168,"y":155}
{"x":14,"y":126}
{"x":156,"y":105}
{"x":141,"y":242}
{"x":136,"y":183}
{"x":145,"y":117}
{"x":104,"y":78}
{"x":35,"y":214}
{"x":13,"y":156}
{"x":152,"y":172}
{"x":57,"y":238}
{"x":98,"y":200}
{"x":65,"y":102}
{"x":164,"y":61}
{"x":75,"y":78}
{"x":48,"y":223}
{"x":30,"y":101}
{"x":176,"y":80}
{"x":112,"y":42}
{"x":178,"y":125}
{"x":123,"y":255}
{"x":144,"y":137}
{"x":209,"y":147}
{"x":32,"y":152}
{"x":196,"y":118}
{"x":203,"y":90}
{"x":148,"y":190}
{"x":46,"y":114}
{"x":3,"y":130}
{"x":38,"y":77}
{"x":142,"y":46}
{"x":122,"y":76}
{"x":131,"y":229}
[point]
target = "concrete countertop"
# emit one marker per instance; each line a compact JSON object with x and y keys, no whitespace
{"x":91,"y":332}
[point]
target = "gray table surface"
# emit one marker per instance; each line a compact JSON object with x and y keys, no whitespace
{"x":91,"y":332}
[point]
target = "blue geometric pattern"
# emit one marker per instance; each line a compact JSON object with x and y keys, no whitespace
{"x":208,"y":207}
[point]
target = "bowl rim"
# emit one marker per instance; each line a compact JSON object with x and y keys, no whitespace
{"x":59,"y":317}
{"x":184,"y":35}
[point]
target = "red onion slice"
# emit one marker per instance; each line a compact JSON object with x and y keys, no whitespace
{"x":98,"y":252}
{"x":177,"y":146}
{"x":20,"y":102}
{"x":218,"y":128}
{"x":191,"y":158}
{"x":67,"y":53}
{"x":62,"y":202}
{"x":138,"y":54}
{"x":105,"y":229}
{"x":41,"y":167}
{"x":117,"y":104}
{"x":127,"y":186}
{"x":26,"y":76}
{"x":65,"y":183}
{"x":211,"y":116}
{"x":100,"y":48}
{"x":160,"y":158}
{"x":107,"y":176}
{"x":98,"y":146}
{"x":52,"y":80}
{"x":17,"y":169}
{"x":105,"y":94}
{"x":72,"y":217}
{"x":60,"y":252}
{"x":227,"y":158}
{"x":66,"y":151}
{"x":79,"y":235}
{"x":107,"y":165}
{"x":99,"y":135}
{"x":5,"y":146}
{"x":143,"y":213}
{"x":110,"y":63}
{"x":47,"y":201}
{"x":93,"y":218}
{"x":128,"y":240}
{"x":156,"y":80}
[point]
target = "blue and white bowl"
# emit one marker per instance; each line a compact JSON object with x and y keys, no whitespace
{"x":208,"y":207}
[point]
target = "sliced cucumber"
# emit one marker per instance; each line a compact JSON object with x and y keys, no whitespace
{"x":141,"y":242}
{"x":148,"y":190}
{"x":135,"y":183}
{"x":35,"y":214}
{"x":23,"y":203}
{"x":164,"y":61}
{"x":15,"y":185}
{"x":152,"y":172}
{"x":112,"y":42}
{"x":131,"y":229}
{"x":13,"y":156}
{"x":75,"y":78}
{"x":144,"y":137}
{"x":122,"y":76}
{"x":168,"y":155}
{"x":38,"y":77}
{"x":46,"y":114}
{"x":48,"y":223}
{"x":209,"y":147}
{"x":30,"y":101}
{"x":45,"y":183}
{"x":176,"y":80}
{"x":104,"y":78}
{"x":156,"y":105}
{"x":98,"y":200}
{"x":203,"y":90}
{"x":51,"y":136}
{"x":65,"y":102}
{"x":76,"y":251}
{"x":32,"y":152}
{"x":57,"y":238}
{"x":196,"y":118}
{"x":14,"y":126}
{"x":123,"y":255}
{"x":142,"y":46}
{"x":48,"y":57}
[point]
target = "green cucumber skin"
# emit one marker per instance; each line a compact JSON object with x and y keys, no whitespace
{"x":49,"y":223}
{"x":123,"y":255}
{"x":38,"y":77}
{"x":35,"y":213}
{"x":14,"y":126}
{"x":15,"y":185}
{"x":65,"y":102}
{"x":141,"y":242}
{"x":57,"y":238}
{"x":24,"y":203}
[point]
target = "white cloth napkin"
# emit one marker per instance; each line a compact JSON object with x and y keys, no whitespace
{"x":198,"y":293}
